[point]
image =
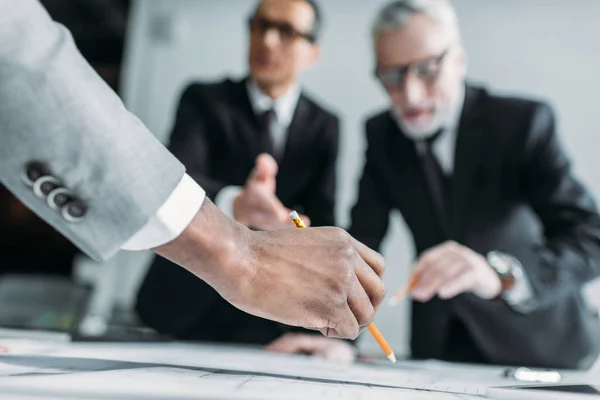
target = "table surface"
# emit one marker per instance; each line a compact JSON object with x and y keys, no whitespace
{"x":210,"y":371}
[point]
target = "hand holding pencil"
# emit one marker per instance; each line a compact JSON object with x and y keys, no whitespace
{"x":448,"y":270}
{"x":389,"y":353}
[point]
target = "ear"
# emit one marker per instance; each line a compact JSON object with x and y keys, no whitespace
{"x":313,"y":53}
{"x":462,"y":61}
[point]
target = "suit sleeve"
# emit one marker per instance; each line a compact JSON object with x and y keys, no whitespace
{"x":371,"y":212}
{"x":570,"y":256}
{"x":57,"y":112}
{"x":191,"y":140}
{"x":320,"y":199}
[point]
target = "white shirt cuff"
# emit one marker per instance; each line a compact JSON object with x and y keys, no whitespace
{"x":225,"y":198}
{"x":171,"y":218}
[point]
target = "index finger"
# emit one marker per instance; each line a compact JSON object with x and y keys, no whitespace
{"x":370,"y":256}
{"x":428,"y":258}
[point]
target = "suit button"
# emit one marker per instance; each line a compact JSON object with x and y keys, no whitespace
{"x":34,"y":171}
{"x":74,"y":211}
{"x":44,"y":185}
{"x":59,"y":197}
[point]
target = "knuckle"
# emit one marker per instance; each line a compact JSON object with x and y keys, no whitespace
{"x":427,"y":258}
{"x":379,"y":264}
{"x":339,"y":234}
{"x":354,"y":331}
{"x":452,"y":245}
{"x":379,"y":294}
{"x":339,"y":288}
{"x":367,"y":316}
{"x":349,"y":330}
{"x":349,"y":253}
{"x":346,"y":266}
{"x":344,"y":276}
{"x":334,"y":291}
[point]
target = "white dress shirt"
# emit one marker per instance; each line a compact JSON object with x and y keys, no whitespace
{"x":520,"y":297}
{"x":284,"y":107}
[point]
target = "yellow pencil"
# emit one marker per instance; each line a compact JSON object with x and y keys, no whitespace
{"x":404,"y":292}
{"x":387,"y":350}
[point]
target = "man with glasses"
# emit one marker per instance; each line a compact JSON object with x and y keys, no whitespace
{"x":505,"y":235}
{"x":259,"y":147}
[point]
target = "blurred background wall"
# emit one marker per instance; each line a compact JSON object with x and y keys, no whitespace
{"x":542,"y":48}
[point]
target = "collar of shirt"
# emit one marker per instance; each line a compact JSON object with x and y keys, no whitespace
{"x":284,"y":106}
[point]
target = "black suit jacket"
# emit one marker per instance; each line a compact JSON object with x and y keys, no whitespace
{"x":512,"y":191}
{"x":216,"y":136}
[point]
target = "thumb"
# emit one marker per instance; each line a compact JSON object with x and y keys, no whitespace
{"x":265,"y":167}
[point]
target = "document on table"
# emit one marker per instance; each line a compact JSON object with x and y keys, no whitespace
{"x":183,"y":384}
{"x":259,"y":362}
{"x":9,"y":369}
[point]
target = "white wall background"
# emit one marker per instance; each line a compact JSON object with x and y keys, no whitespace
{"x":543,"y":48}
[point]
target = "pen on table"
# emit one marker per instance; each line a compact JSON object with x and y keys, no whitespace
{"x":404,"y":292}
{"x":533,"y":375}
{"x":387,"y":350}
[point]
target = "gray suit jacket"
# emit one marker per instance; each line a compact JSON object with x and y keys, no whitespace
{"x":104,"y":174}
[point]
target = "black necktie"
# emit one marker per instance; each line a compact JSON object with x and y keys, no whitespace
{"x":435,"y":181}
{"x":266,"y":136}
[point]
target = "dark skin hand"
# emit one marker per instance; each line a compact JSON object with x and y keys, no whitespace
{"x":315,"y":278}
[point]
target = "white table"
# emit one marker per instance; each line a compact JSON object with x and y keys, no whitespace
{"x":188,"y":371}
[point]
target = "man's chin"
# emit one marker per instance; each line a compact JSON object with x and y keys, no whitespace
{"x":419,"y":131}
{"x":266,"y":75}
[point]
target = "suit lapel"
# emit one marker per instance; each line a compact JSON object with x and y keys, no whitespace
{"x":471,"y":150}
{"x":299,"y":136}
{"x":249,"y":132}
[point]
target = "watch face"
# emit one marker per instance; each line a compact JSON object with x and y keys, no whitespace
{"x":499,"y":263}
{"x":506,"y":266}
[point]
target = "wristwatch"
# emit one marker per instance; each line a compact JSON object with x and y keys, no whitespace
{"x":515,"y":288}
{"x":508,"y":268}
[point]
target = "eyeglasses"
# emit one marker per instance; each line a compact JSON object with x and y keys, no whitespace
{"x":287,"y":32}
{"x":426,"y":70}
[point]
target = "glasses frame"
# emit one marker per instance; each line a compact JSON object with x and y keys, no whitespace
{"x":286,"y":31}
{"x":413,"y":68}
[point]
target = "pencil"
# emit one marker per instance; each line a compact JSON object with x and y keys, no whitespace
{"x":387,"y":350}
{"x":404,"y":292}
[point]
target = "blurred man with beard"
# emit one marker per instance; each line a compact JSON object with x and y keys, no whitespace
{"x":506,"y":236}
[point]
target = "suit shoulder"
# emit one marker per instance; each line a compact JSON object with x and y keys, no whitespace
{"x":376,"y":122}
{"x":520,"y":119}
{"x":377,"y":118}
{"x":201,"y":91}
{"x":318,"y":109}
{"x":511,"y":105}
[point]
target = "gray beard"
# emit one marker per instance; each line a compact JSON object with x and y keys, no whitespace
{"x":441,"y":120}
